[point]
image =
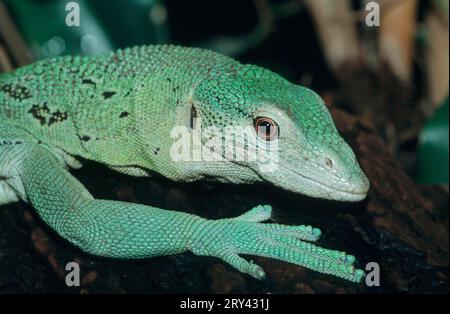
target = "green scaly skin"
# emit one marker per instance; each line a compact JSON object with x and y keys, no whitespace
{"x":118,"y":109}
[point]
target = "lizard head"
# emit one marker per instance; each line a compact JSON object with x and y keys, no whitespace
{"x":295,"y":141}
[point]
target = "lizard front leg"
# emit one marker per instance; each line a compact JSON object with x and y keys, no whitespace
{"x":100,"y":227}
{"x":124,"y":230}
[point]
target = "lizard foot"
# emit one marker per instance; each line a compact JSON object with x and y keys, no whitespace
{"x":245,"y":234}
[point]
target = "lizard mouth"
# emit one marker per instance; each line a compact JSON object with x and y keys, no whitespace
{"x":356,"y":192}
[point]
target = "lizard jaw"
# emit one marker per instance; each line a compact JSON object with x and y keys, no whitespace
{"x":294,"y":181}
{"x":332,"y":193}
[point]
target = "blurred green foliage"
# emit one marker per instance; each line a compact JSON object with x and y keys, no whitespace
{"x":433,"y":150}
{"x":104,"y":25}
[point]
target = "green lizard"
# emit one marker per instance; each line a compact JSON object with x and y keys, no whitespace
{"x":118,"y":109}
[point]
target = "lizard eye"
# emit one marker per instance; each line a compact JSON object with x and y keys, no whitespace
{"x":266,"y":128}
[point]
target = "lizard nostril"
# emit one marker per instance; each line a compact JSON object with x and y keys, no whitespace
{"x":329,"y":162}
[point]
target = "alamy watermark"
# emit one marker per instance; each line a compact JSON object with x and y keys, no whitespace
{"x":373,"y":275}
{"x":73,"y":17}
{"x":73,"y":275}
{"x":373,"y":16}
{"x":241,"y":144}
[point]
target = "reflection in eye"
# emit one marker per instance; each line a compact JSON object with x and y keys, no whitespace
{"x":266,"y":128}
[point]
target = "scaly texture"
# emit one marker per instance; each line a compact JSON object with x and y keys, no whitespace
{"x":120,"y":109}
